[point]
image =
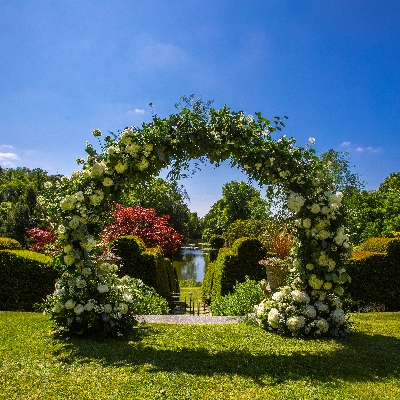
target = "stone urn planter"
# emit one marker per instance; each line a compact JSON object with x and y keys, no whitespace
{"x":276,"y":274}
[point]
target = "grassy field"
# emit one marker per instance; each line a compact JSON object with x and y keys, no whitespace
{"x":199,"y":362}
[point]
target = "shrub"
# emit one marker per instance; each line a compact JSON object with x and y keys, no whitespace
{"x":9,"y":244}
{"x":148,"y":301}
{"x":26,"y":278}
{"x":241,"y":302}
{"x":375,"y":276}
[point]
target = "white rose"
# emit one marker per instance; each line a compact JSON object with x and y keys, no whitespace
{"x":123,"y":308}
{"x":88,"y":306}
{"x":57,"y":307}
{"x":70,"y":304}
{"x":79,"y":309}
{"x":107,"y":308}
{"x":102,"y":288}
{"x":315,"y":208}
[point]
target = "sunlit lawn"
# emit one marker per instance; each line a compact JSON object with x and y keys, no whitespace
{"x":199,"y":362}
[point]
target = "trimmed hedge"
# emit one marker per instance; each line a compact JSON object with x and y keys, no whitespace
{"x":375,"y":275}
{"x":216,"y":242}
{"x":149,"y":265}
{"x":26,"y":278}
{"x":232,"y":266}
{"x":9,"y":244}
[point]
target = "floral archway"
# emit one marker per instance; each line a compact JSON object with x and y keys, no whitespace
{"x":311,"y":303}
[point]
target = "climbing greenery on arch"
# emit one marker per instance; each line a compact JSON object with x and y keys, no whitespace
{"x":311,"y":303}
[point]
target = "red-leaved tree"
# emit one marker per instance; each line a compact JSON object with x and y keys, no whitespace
{"x":144,"y":223}
{"x":43,"y":241}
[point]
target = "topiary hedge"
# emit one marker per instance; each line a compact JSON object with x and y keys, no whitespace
{"x":231,"y":267}
{"x":9,"y":244}
{"x":375,"y":275}
{"x":149,"y":264}
{"x":216,"y":243}
{"x":26,"y":278}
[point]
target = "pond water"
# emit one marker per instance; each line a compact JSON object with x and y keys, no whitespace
{"x":190,"y":263}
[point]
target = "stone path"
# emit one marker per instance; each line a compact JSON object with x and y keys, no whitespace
{"x":188,"y":319}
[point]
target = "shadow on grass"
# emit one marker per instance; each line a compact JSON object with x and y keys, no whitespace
{"x":359,"y":358}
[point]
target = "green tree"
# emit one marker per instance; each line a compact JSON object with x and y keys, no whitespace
{"x":239,"y":201}
{"x":166,"y":198}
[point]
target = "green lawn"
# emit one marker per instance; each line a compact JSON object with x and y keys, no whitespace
{"x":199,"y":362}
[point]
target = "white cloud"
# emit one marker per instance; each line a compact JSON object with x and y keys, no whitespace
{"x":348,"y":146}
{"x":136,"y":111}
{"x":6,"y":159}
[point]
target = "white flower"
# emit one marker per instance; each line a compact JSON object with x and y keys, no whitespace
{"x":307,"y":223}
{"x":108,"y":182}
{"x":120,"y":168}
{"x":143,"y":164}
{"x":79,"y":309}
{"x":314,"y":282}
{"x":97,"y":197}
{"x":69,"y":259}
{"x":310,"y":266}
{"x":327,"y":285}
{"x":127,"y":297}
{"x":68,"y":203}
{"x":320,"y":306}
{"x":57,"y":307}
{"x":88,"y":306}
{"x":123,"y":308}
{"x":79,"y":196}
{"x":325,"y":210}
{"x":295,"y":323}
{"x":310,"y":311}
{"x":47,"y":184}
{"x":338,"y":316}
{"x":70,"y":304}
{"x":98,"y":169}
{"x":102,"y":288}
{"x":315,"y":208}
{"x":278,"y":296}
{"x":273,"y":317}
{"x":300,"y":297}
{"x":80,"y":282}
{"x":86,"y":271}
{"x":89,"y":244}
{"x":322,"y":325}
{"x":295,"y":201}
{"x":107,"y":308}
{"x":311,"y":140}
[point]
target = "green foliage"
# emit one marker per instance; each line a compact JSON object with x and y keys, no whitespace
{"x":247,"y":228}
{"x":232,"y":266}
{"x":375,"y":276}
{"x":239,"y":201}
{"x":189,"y":284}
{"x":149,"y":264}
{"x":26,"y":278}
{"x":9,"y":244}
{"x":241,"y":302}
{"x":374,"y":213}
{"x":148,"y":301}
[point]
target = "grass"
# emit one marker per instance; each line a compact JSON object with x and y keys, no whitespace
{"x":199,"y":362}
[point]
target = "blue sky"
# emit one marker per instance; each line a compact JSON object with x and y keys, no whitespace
{"x":332,"y":66}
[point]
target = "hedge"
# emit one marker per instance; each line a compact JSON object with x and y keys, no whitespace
{"x":375,"y":275}
{"x":232,"y":266}
{"x":9,"y":244}
{"x":149,"y":264}
{"x":216,"y":243}
{"x":26,"y":278}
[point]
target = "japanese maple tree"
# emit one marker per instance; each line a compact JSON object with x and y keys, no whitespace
{"x":144,"y":223}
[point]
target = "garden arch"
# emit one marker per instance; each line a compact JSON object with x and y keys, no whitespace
{"x":311,"y":303}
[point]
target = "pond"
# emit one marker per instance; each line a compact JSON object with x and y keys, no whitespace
{"x":191,"y":262}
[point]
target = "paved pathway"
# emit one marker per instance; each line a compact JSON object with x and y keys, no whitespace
{"x":188,"y":319}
